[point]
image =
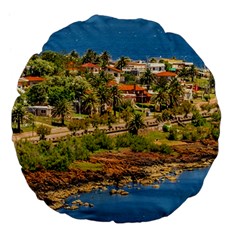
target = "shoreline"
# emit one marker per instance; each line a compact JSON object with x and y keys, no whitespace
{"x":119,"y":169}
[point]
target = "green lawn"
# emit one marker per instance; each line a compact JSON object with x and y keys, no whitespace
{"x":84,"y":166}
{"x":159,"y":137}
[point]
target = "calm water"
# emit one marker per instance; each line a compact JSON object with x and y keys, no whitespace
{"x":144,"y":203}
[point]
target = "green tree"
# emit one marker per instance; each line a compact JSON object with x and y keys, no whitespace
{"x":40,"y":67}
{"x":80,"y":86}
{"x":175,"y":92}
{"x":130,"y":78}
{"x":127,"y":113}
{"x":62,"y":109}
{"x":153,"y":60}
{"x":192,"y":72}
{"x":37,"y":94}
{"x":135,"y":123}
{"x":197,"y":119}
{"x":104,"y":59}
{"x":90,"y":102}
{"x":30,"y":119}
{"x":147,"y":78}
{"x":18,"y":113}
{"x":122,"y":62}
{"x":162,"y":96}
{"x":89,"y":57}
{"x":104,"y":97}
{"x":116,"y":97}
{"x":58,"y":94}
{"x":59,"y":61}
{"x":187,"y":107}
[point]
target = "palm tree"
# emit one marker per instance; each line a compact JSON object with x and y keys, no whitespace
{"x":175,"y":92}
{"x":116,"y":96}
{"x":80,"y":86}
{"x":135,"y":123}
{"x":192,"y":72}
{"x":122,"y":62}
{"x":62,"y":108}
{"x":162,"y":97}
{"x":104,"y":97}
{"x":18,"y":113}
{"x":89,"y":57}
{"x":90,"y":102}
{"x":147,"y":78}
{"x":105,"y":58}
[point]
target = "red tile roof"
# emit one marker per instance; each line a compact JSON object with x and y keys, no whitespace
{"x":114,"y":69}
{"x":90,"y":65}
{"x":130,"y":87}
{"x":33,"y":79}
{"x":136,"y":64}
{"x":166,"y":74}
{"x":112,"y":83}
{"x":147,"y":94}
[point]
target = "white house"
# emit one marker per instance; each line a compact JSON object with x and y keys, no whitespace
{"x":41,"y":110}
{"x":135,"y":68}
{"x":156,"y":67}
{"x":116,"y":73}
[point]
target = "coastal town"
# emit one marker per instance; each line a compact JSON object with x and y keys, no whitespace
{"x":88,"y":122}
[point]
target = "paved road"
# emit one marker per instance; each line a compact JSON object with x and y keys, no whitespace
{"x":58,"y":132}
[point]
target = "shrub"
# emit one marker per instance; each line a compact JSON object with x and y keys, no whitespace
{"x":203,"y":132}
{"x":197,"y":119}
{"x":190,"y":133}
{"x":79,"y":149}
{"x":216,"y":116}
{"x":154,"y":147}
{"x":28,"y":155}
{"x":77,"y":124}
{"x":140,"y":144}
{"x":166,"y":115}
{"x":124,"y":140}
{"x":99,"y":140}
{"x":166,"y":127}
{"x":44,"y":147}
{"x":103,"y":140}
{"x":175,"y":134}
{"x":56,"y":161}
{"x":90,"y":143}
{"x":206,"y":107}
{"x":215,"y":133}
{"x":164,"y":148}
{"x":42,"y":131}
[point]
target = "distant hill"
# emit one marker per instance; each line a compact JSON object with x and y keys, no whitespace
{"x":137,"y":39}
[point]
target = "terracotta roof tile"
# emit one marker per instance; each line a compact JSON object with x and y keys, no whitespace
{"x":166,"y":74}
{"x":32,"y":78}
{"x":90,"y":65}
{"x":114,"y":69}
{"x":126,"y":87}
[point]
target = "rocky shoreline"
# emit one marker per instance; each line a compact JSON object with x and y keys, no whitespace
{"x":119,"y":169}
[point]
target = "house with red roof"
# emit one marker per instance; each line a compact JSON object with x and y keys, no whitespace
{"x":90,"y":67}
{"x":29,"y":81}
{"x":114,"y":72}
{"x":135,"y":92}
{"x":166,"y":74}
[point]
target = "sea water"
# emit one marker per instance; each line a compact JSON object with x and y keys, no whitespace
{"x":143,"y":203}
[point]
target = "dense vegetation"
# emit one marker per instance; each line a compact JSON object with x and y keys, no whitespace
{"x":93,"y":101}
{"x":49,"y":156}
